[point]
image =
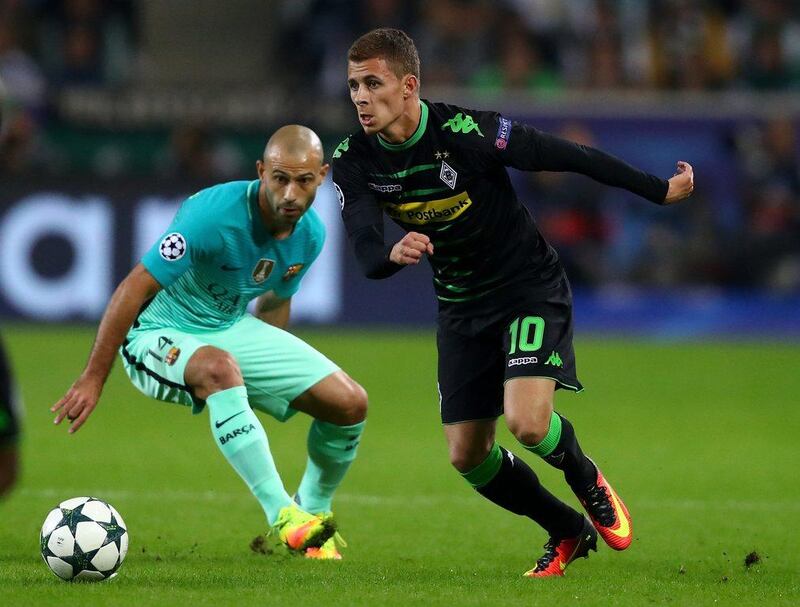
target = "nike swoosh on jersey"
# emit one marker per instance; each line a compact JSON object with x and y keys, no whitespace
{"x":225,"y":421}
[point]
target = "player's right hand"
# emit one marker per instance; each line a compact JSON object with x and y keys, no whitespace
{"x":410,"y":249}
{"x":78,"y":403}
{"x":681,"y":184}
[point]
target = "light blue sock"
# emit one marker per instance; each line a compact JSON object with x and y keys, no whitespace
{"x":331,"y":450}
{"x":243,"y":442}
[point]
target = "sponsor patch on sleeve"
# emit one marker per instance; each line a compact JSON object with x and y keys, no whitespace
{"x":503,"y":133}
{"x":339,"y":195}
{"x":173,"y":247}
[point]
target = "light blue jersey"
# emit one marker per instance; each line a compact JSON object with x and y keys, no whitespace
{"x":217,"y":255}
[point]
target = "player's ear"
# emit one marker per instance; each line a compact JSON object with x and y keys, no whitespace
{"x":410,"y":85}
{"x":323,"y":171}
{"x":260,"y":168}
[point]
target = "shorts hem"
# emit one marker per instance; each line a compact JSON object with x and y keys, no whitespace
{"x":560,"y":382}
{"x":476,"y":419}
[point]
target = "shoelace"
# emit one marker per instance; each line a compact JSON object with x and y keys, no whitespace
{"x":549,"y":554}
{"x":599,"y":505}
{"x":339,"y":540}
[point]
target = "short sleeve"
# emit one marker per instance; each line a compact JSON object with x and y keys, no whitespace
{"x":192,"y":236}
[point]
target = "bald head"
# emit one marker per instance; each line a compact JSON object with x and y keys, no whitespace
{"x":296,"y":142}
{"x":290,"y":173}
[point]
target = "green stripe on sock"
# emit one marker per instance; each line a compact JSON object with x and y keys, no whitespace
{"x":550,"y":441}
{"x":487,"y":470}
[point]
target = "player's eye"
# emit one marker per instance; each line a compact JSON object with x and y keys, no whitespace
{"x":373,"y":84}
{"x":353,"y":85}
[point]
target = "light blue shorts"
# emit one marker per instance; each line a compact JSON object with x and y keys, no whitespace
{"x":277,"y":366}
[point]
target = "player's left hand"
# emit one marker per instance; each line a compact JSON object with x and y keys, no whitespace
{"x":681,"y":184}
{"x":78,"y":403}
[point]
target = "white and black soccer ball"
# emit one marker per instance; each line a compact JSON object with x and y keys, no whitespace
{"x":84,"y":538}
{"x":173,"y":246}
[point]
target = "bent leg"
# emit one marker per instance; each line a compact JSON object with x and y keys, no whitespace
{"x":339,"y":407}
{"x":532,"y":420}
{"x":506,"y":480}
{"x":214,"y":376}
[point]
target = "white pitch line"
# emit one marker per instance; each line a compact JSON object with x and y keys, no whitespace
{"x":405,"y":501}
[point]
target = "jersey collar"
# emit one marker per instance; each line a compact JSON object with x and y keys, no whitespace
{"x":423,"y":122}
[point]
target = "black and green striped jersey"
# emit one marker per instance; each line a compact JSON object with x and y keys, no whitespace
{"x":449,"y":181}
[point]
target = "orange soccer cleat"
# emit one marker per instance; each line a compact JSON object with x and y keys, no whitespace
{"x":608,"y":513}
{"x":560,"y":553}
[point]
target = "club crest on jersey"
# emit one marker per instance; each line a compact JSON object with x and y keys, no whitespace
{"x":172,"y":356}
{"x":448,"y":175}
{"x":293,"y":271}
{"x":263,"y":269}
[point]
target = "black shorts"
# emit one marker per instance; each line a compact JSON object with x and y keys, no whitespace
{"x":9,"y":422}
{"x":533,"y":338}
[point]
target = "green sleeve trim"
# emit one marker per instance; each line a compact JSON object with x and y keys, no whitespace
{"x":423,"y":122}
{"x":481,"y":475}
{"x":550,"y":442}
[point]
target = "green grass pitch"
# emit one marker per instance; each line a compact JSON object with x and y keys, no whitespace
{"x":700,"y":439}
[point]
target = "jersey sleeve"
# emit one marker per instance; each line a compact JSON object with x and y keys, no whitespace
{"x":360,"y":209}
{"x":521,"y":146}
{"x":288,"y":287}
{"x":362,"y":215}
{"x":192,"y":236}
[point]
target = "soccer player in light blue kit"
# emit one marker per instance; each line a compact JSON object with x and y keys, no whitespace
{"x":180,"y":323}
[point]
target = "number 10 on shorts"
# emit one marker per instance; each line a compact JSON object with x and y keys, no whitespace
{"x":526,"y":334}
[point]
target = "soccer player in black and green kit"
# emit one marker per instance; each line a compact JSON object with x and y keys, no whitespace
{"x":180,"y":323}
{"x":9,"y":425}
{"x":505,"y":311}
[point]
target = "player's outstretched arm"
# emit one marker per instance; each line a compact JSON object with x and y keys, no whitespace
{"x":81,"y":399}
{"x":681,"y":184}
{"x":410,"y":249}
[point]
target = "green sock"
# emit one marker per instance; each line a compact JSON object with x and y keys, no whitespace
{"x":331,"y":450}
{"x":243,"y":442}
{"x":550,"y":441}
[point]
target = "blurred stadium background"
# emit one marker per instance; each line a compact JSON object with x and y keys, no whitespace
{"x":115,"y":110}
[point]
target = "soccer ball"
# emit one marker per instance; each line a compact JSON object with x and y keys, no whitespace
{"x":84,"y":538}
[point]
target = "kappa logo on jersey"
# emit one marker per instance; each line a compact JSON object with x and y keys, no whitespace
{"x":431,"y":211}
{"x":462,"y":124}
{"x":339,"y":195}
{"x":293,"y":271}
{"x":523,"y":360}
{"x":448,"y":175}
{"x":386,"y":189}
{"x":173,"y":247}
{"x":263,"y":269}
{"x":342,"y":147}
{"x":503,"y":134}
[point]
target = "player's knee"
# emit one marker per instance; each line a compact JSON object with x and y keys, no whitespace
{"x":218,"y":371}
{"x":531,"y":424}
{"x":468,"y":458}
